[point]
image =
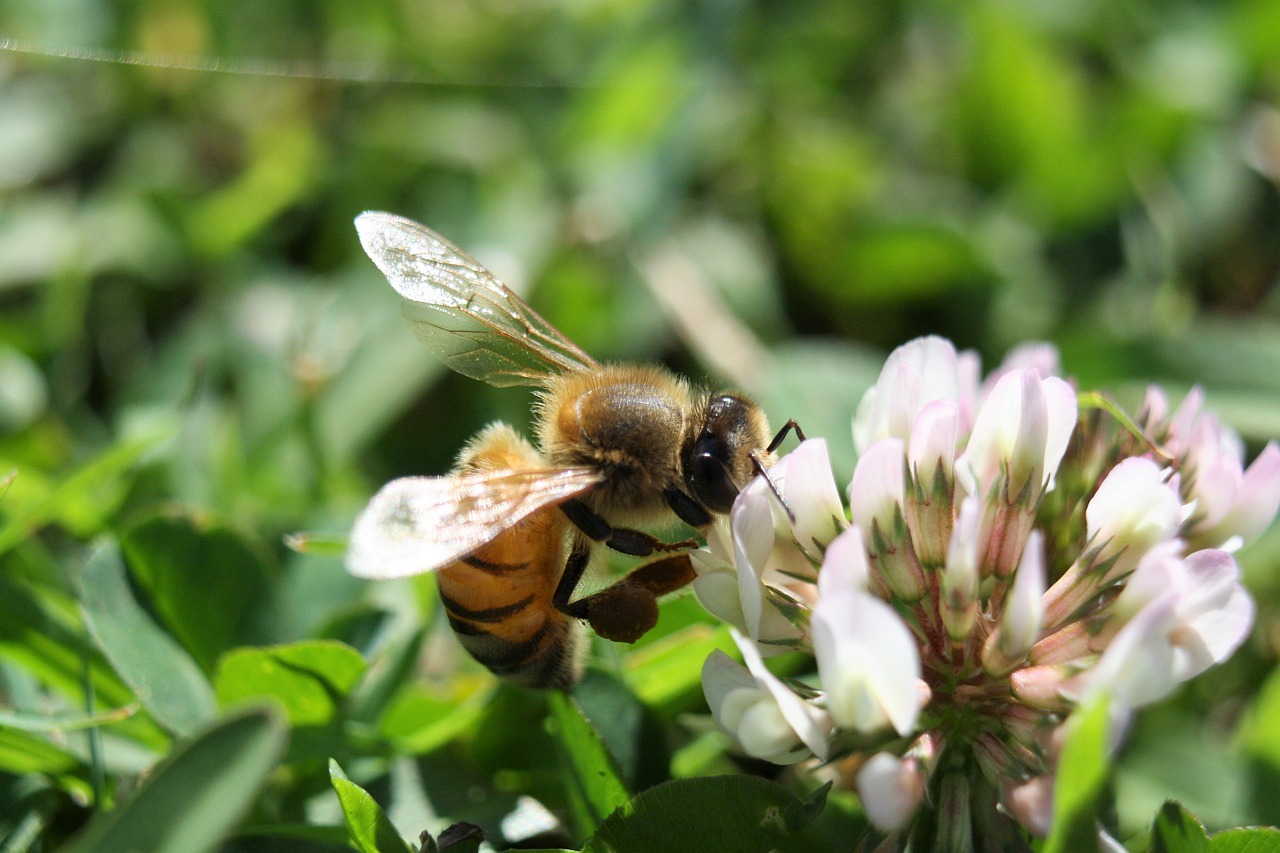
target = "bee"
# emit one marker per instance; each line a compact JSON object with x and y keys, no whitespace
{"x":511,"y":530}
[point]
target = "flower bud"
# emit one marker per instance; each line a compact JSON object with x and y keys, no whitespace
{"x":891,"y":789}
{"x":1023,"y":611}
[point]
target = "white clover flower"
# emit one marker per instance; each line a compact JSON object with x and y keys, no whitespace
{"x":924,"y":606}
{"x":867,"y":662}
{"x":764,"y":716}
{"x":1230,"y":504}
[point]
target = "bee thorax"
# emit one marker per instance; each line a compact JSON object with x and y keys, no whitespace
{"x":626,"y":421}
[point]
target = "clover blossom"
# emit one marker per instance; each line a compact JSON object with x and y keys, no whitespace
{"x":1006,"y":554}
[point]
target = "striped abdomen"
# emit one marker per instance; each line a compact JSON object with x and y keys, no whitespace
{"x":499,"y":602}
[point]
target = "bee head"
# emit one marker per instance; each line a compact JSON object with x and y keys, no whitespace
{"x":717,"y":460}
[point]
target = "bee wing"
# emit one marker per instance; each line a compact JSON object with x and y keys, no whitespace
{"x":473,"y":322}
{"x":420,"y":524}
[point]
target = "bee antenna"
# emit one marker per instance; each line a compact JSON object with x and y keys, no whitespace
{"x":773,"y":486}
{"x":782,"y":434}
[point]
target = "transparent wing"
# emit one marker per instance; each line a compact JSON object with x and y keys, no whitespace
{"x":420,"y":524}
{"x":473,"y":322}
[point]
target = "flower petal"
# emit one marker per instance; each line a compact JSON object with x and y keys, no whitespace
{"x":808,"y":722}
{"x":752,"y":522}
{"x":914,"y":374}
{"x":878,"y":485}
{"x":867,"y":662}
{"x":891,"y":789}
{"x":844,"y":566}
{"x":811,"y":494}
{"x":1257,"y":499}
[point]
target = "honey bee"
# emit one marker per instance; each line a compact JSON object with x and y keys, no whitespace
{"x":511,"y":530}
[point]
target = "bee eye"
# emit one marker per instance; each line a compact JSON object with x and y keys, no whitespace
{"x":708,"y":476}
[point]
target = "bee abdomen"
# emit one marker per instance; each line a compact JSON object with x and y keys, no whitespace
{"x":547,"y":658}
{"x":525,"y":641}
{"x":497,"y":614}
{"x":494,"y":568}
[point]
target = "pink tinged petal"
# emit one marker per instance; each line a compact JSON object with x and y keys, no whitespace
{"x":1038,"y":356}
{"x":867,"y":662}
{"x":1044,"y":687}
{"x":1256,"y":501}
{"x":1023,"y":612}
{"x":914,"y":375}
{"x":994,"y":432}
{"x":877,"y":486}
{"x":1159,"y":570}
{"x":933,"y":441}
{"x":1025,"y":423}
{"x":1214,"y":460}
{"x":931,"y":456}
{"x":1213,"y":636}
{"x":891,"y":789}
{"x":1134,"y":508}
{"x":876,"y":502}
{"x":809,"y":723}
{"x":1138,"y":667}
{"x":1155,"y":407}
{"x":1026,"y":459}
{"x":1214,"y":613}
{"x":1183,"y":420}
{"x":1063,"y":411}
{"x":844,"y":567}
{"x":811,"y":494}
{"x":1031,"y":804}
{"x":960,"y":574}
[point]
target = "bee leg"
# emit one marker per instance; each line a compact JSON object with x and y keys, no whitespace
{"x":579,"y":556}
{"x":686,"y":508}
{"x":782,"y":435}
{"x":625,"y":611}
{"x":624,"y":540}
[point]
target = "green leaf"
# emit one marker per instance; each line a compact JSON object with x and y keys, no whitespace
{"x":165,"y":679}
{"x":1258,"y":732}
{"x":203,"y":581}
{"x":320,"y":544}
{"x":369,"y":827}
{"x":1176,"y":830}
{"x":308,"y":679}
{"x":668,"y":671}
{"x":298,"y":837}
{"x":738,"y":813}
{"x":197,"y":796}
{"x":63,"y":722}
{"x":630,"y":732}
{"x":1082,"y":772}
{"x":79,"y":489}
{"x":1251,"y":840}
{"x":392,"y":671}
{"x":594,"y":785}
{"x":41,"y":633}
{"x":25,"y":752}
{"x":418,"y":719}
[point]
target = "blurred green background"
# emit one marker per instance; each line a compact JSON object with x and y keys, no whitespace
{"x":768,"y":195}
